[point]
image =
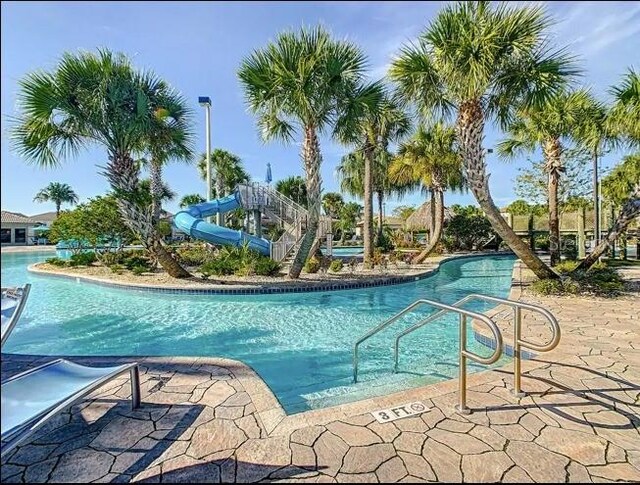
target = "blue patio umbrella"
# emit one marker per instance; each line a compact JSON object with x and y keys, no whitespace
{"x":268,"y":178}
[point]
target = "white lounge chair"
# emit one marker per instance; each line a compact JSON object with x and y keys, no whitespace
{"x":13,"y":302}
{"x":32,"y":398}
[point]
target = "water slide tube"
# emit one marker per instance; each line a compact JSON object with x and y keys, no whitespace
{"x":191,"y":221}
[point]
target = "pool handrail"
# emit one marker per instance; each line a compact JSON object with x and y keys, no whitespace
{"x":463,"y":353}
{"x":518,"y":342}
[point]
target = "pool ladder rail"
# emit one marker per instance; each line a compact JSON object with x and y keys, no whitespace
{"x":518,"y":342}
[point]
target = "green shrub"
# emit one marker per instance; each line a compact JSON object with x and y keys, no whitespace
{"x":138,"y":270}
{"x":110,"y":258}
{"x":600,"y":280}
{"x":336,"y":265}
{"x":193,"y":255}
{"x":266,"y":267}
{"x":136,"y":258}
{"x":218,"y":267}
{"x":57,"y":262}
{"x":384,"y":242}
{"x":566,"y":267}
{"x":312,"y":265}
{"x":117,"y":268}
{"x":353,"y":264}
{"x":542,"y":242}
{"x":83,"y":259}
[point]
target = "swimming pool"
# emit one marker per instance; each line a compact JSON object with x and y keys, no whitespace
{"x":299,"y":343}
{"x":346,"y":251}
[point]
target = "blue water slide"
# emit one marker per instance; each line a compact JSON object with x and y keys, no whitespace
{"x":191,"y":221}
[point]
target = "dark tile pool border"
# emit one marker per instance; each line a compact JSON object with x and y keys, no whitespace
{"x":263,"y":289}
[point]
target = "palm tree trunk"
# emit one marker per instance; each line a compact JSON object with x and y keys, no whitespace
{"x":629,"y":212}
{"x":554,"y":222}
{"x":380,"y":214}
{"x":367,"y":227}
{"x":432,"y":212}
{"x":122,"y":174}
{"x":470,"y":128}
{"x":58,"y":204}
{"x":156,"y":190}
{"x":552,"y":152}
{"x":312,"y":160}
{"x":437,"y":226}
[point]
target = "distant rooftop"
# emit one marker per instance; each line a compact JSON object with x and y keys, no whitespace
{"x":17,"y":218}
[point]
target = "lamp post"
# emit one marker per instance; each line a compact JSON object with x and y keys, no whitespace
{"x":205,"y":101}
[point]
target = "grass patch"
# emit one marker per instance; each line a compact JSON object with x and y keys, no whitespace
{"x":599,"y":280}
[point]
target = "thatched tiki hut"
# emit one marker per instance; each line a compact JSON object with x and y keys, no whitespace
{"x":423,"y":218}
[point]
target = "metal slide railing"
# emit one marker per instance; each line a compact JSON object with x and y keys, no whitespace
{"x":518,"y":342}
{"x":464,"y":354}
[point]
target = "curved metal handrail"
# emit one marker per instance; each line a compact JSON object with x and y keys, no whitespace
{"x":464,"y":354}
{"x":444,"y":309}
{"x":518,"y":341}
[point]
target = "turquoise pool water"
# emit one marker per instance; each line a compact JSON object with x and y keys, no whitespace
{"x":300,"y":344}
{"x":346,"y":251}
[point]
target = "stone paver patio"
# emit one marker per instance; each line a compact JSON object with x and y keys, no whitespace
{"x":212,"y":420}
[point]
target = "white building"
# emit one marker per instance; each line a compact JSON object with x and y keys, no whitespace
{"x":17,"y":229}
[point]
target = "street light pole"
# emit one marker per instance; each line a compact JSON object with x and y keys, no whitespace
{"x":205,"y":101}
{"x":596,"y":202}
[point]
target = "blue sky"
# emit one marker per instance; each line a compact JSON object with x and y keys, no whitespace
{"x":198,"y":46}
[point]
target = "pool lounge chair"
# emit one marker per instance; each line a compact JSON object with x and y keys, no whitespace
{"x":32,"y":398}
{"x":13,"y":302}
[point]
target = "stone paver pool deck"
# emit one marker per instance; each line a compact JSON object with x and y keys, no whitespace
{"x":212,"y":420}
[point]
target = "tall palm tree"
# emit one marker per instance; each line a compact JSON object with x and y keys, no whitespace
{"x":549,"y":126}
{"x":622,"y":186}
{"x":294,"y":85}
{"x":593,"y":134}
{"x":477,"y":62}
{"x":624,"y":122}
{"x":332,"y":203}
{"x":429,"y":161}
{"x":191,"y":199}
{"x":96,"y":99}
{"x":350,"y":213}
{"x":295,"y":188}
{"x":227,"y":168}
{"x":172,"y":139}
{"x":147,"y":197}
{"x":371,"y":119}
{"x":624,"y":119}
{"x":58,"y":193}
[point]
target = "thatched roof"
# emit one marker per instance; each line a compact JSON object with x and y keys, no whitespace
{"x":419,"y":220}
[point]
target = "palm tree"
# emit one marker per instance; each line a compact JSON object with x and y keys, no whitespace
{"x":478,"y":61}
{"x":163,"y":193}
{"x":58,"y":193}
{"x":548,"y":126}
{"x":171,"y":140}
{"x":622,"y":187}
{"x":429,"y":160}
{"x":228,"y":170}
{"x":625,"y":114}
{"x":295,"y":85}
{"x":593,"y":134}
{"x":332,"y":203}
{"x":96,"y":99}
{"x":191,"y":199}
{"x":295,"y":188}
{"x":350,"y":214}
{"x":371,"y":119}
